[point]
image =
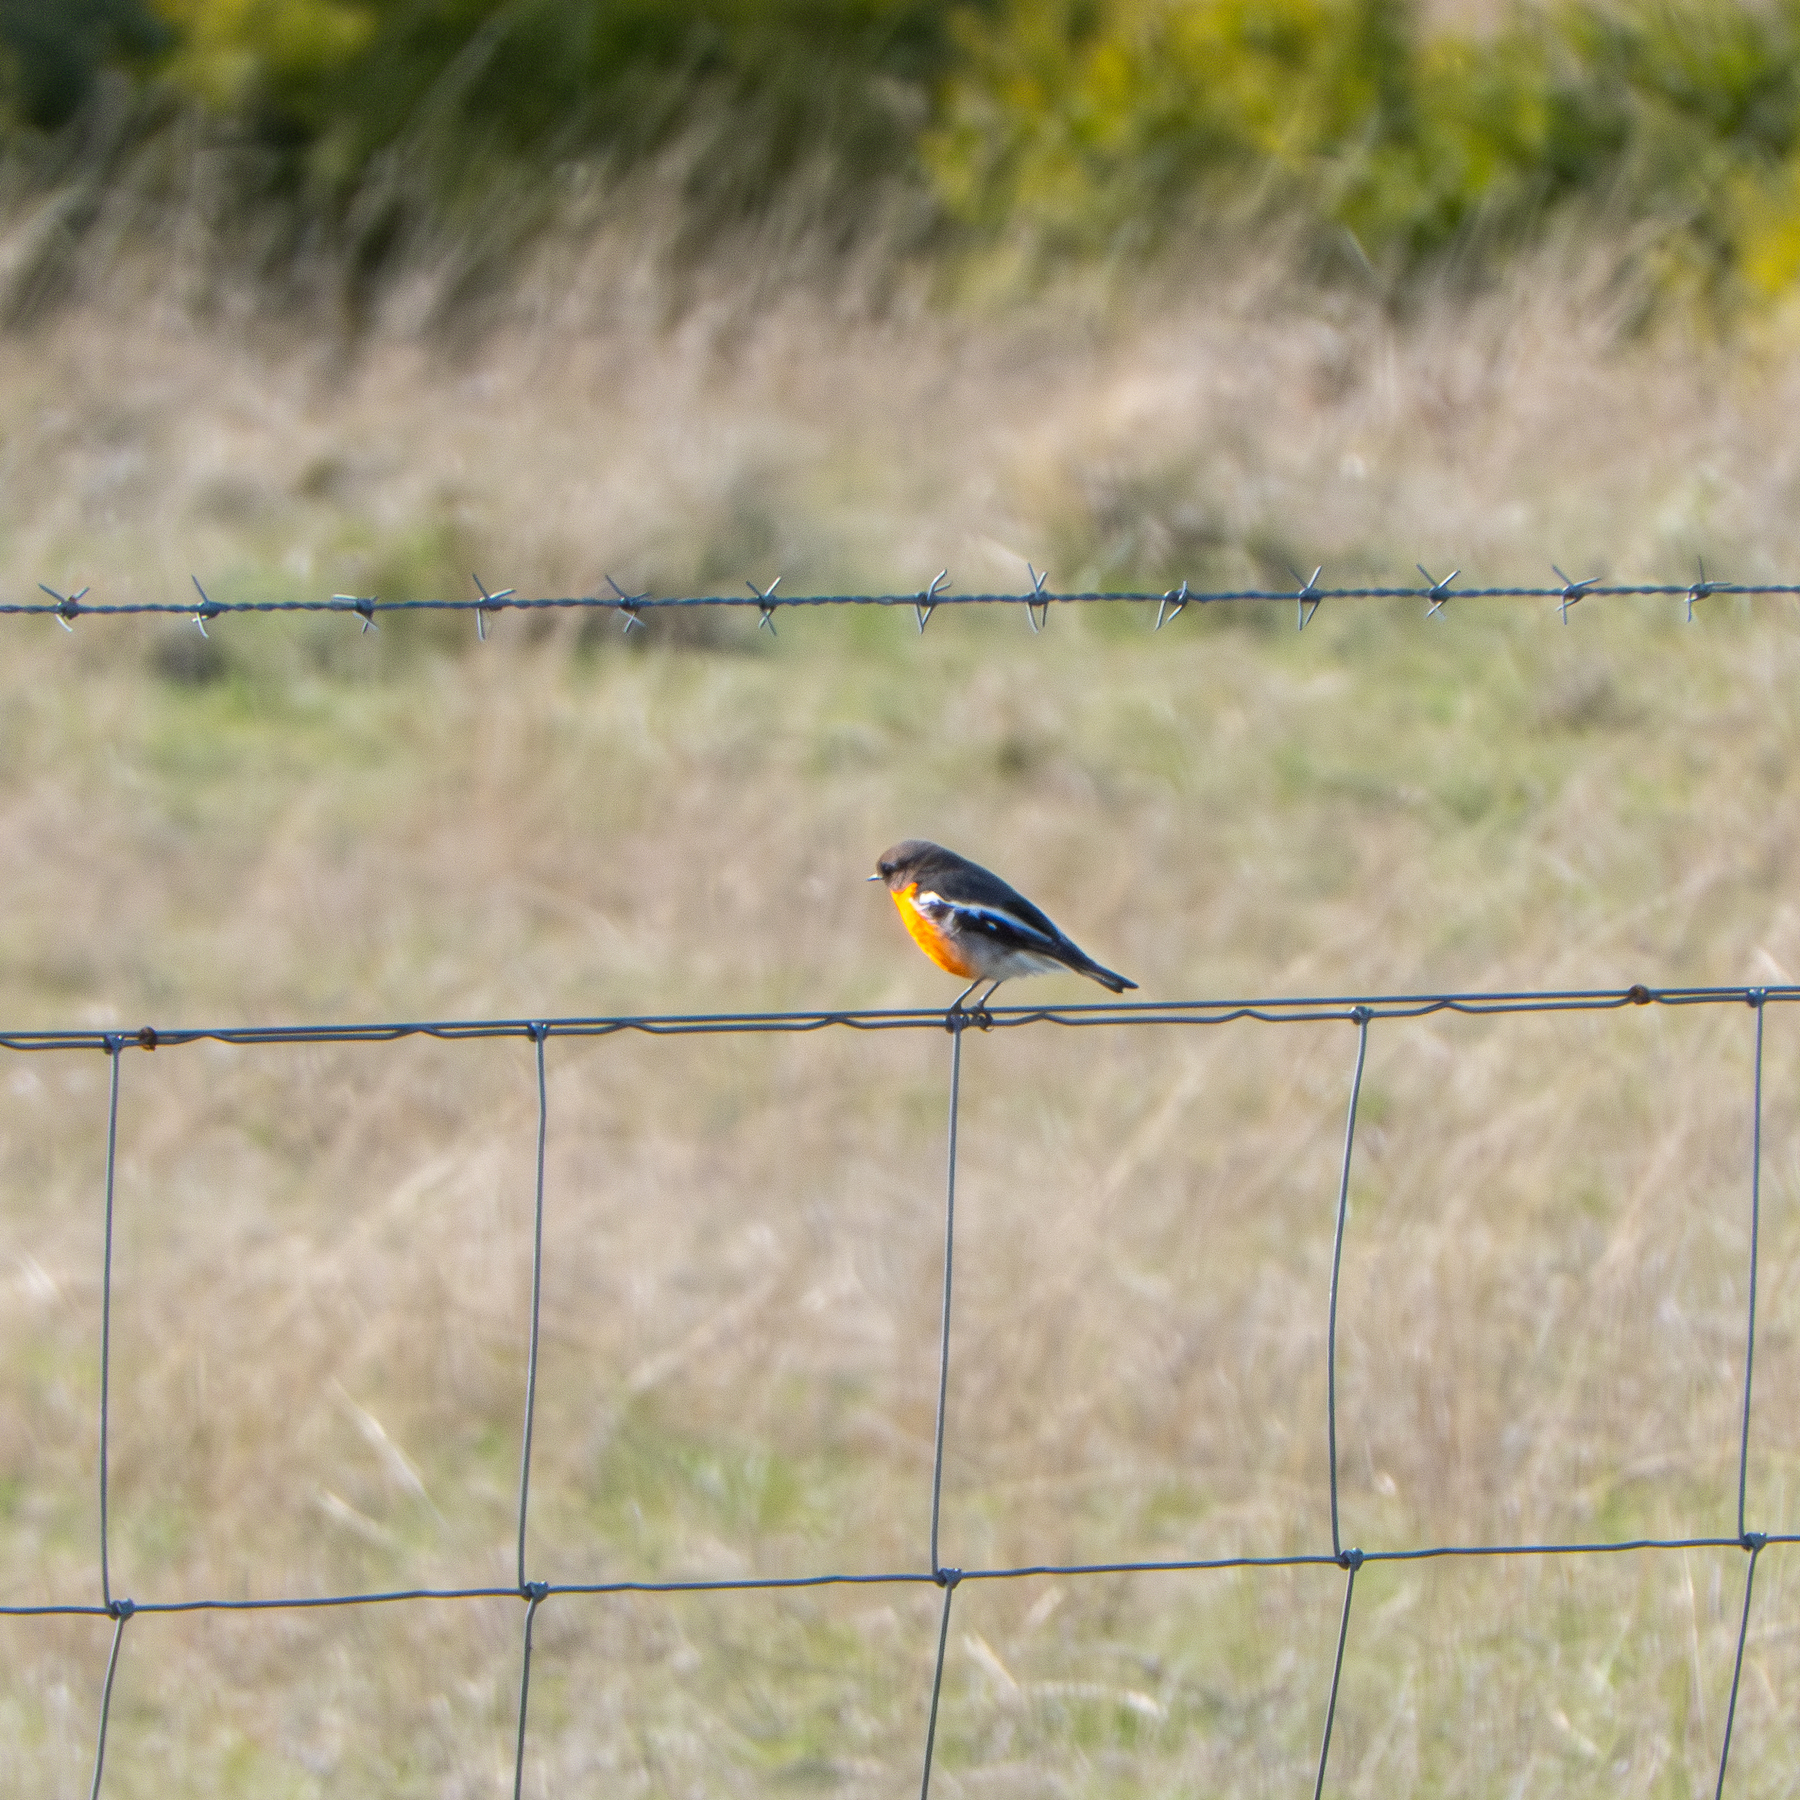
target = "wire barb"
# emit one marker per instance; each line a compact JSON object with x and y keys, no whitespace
{"x":487,"y":600}
{"x":1700,"y":590}
{"x":1572,"y":591}
{"x":1439,"y":591}
{"x":767,"y":603}
{"x":1038,"y":596}
{"x":206,"y":609}
{"x":68,"y":605}
{"x":1179,"y":596}
{"x":628,"y":606}
{"x":363,"y":607}
{"x":926,"y":604}
{"x":1309,"y":590}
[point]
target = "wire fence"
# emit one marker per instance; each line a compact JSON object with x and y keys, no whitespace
{"x":533,"y":1589}
{"x":634,"y":610}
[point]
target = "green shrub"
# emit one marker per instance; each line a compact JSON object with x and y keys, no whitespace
{"x":471,"y":89}
{"x":1115,"y":124}
{"x":1071,"y":128}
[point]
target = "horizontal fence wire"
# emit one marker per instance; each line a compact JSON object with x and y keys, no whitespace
{"x":634,"y":611}
{"x":1362,"y":1011}
{"x":1309,"y":1010}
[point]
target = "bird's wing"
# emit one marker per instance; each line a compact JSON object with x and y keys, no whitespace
{"x":1016,"y":927}
{"x":976,"y":889}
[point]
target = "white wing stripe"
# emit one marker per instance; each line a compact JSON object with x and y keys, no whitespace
{"x":937,"y":907}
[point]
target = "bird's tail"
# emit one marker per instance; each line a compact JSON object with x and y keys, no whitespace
{"x":1083,"y":964}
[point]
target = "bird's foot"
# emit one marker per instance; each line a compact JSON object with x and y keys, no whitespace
{"x":960,"y":1017}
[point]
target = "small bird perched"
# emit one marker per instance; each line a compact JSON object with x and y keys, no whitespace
{"x":971,"y":923}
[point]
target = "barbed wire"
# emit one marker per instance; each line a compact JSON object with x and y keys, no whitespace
{"x":1361,"y":1011}
{"x":631,"y":609}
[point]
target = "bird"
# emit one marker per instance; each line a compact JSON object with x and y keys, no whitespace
{"x":969,"y":922}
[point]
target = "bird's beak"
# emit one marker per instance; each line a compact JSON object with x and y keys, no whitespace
{"x":874,"y":877}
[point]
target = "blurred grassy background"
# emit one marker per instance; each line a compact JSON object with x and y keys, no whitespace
{"x":305,"y":297}
{"x":338,"y":143}
{"x":323,"y":1257}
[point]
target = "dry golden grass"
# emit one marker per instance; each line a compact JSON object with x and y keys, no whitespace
{"x":323,"y":1255}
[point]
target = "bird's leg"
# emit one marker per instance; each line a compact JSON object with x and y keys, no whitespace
{"x":956,"y":1004}
{"x":981,"y":1011}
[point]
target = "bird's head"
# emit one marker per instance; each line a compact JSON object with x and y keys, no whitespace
{"x":898,"y":866}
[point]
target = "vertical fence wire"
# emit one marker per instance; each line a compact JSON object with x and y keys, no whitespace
{"x":538,"y":1034}
{"x":956,"y":1023}
{"x":1737,"y":1667}
{"x":946,"y":1577}
{"x":937,"y":1682}
{"x":1361,"y":1016}
{"x":1352,"y":1561}
{"x":534,"y":1601}
{"x":120,"y":1614}
{"x":113,"y":1047}
{"x":1757,"y":1000}
{"x":534,"y":1592}
{"x":1752,"y":1541}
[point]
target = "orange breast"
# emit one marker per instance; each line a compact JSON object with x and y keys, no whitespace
{"x":929,"y":939}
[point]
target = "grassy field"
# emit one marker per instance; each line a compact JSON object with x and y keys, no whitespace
{"x":322,"y":1263}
